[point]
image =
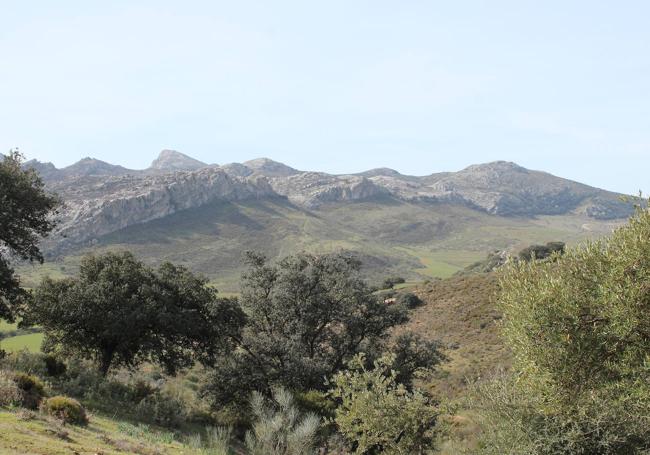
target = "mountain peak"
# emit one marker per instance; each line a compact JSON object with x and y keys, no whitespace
{"x":380,"y":171}
{"x":92,"y":166}
{"x":270,"y":168}
{"x":171,"y":160}
{"x":495,"y":166}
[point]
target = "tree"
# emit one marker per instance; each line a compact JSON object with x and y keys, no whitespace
{"x":26,"y":215}
{"x":307,"y":315}
{"x":119,"y":311}
{"x":411,"y":355}
{"x":579,"y":329}
{"x":376,"y":414}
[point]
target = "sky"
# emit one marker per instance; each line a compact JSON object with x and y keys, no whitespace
{"x":335,"y":86}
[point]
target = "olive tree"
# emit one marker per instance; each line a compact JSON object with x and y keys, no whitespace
{"x":579,"y":329}
{"x":119,"y":311}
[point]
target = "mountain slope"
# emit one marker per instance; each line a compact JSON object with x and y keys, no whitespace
{"x":415,"y":226}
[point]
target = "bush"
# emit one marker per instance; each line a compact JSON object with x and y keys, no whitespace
{"x":161,"y":409}
{"x":25,"y":361}
{"x":10,"y":394}
{"x":413,"y":356}
{"x":390,"y":282}
{"x":279,"y":428}
{"x":409,"y":300}
{"x":376,"y":414}
{"x":578,"y":329}
{"x":32,"y":389}
{"x":65,"y":409}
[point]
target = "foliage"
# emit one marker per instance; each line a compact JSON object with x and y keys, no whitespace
{"x":413,"y":355}
{"x":542,"y":251}
{"x":390,"y":282}
{"x":118,"y":311}
{"x":25,"y":216}
{"x":216,"y":441}
{"x":66,"y":409}
{"x":377,"y":414}
{"x":409,"y":300}
{"x":53,"y":365}
{"x":578,"y":328}
{"x":161,"y":409}
{"x":306,"y":316}
{"x":279,"y":428}
{"x":10,"y":394}
{"x":32,"y":389}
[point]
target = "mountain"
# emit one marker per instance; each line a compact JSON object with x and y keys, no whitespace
{"x":414,"y":226}
{"x":171,"y":160}
{"x":86,"y":167}
{"x":270,"y":168}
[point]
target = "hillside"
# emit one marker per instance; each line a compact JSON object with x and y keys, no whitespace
{"x":460,"y":312}
{"x":206,"y":216}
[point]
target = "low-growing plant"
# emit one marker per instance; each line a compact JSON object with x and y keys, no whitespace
{"x":66,"y":409}
{"x":279,"y":428}
{"x":161,"y":409}
{"x":216,"y":441}
{"x":10,"y":394}
{"x":32,"y":389}
{"x":377,"y":414}
{"x":409,"y":300}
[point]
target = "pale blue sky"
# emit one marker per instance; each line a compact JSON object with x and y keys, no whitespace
{"x":338,"y":86}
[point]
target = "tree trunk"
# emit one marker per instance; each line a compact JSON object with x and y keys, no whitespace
{"x":106,"y":360}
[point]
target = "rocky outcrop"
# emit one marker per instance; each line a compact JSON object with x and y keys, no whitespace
{"x":311,"y":189}
{"x":120,"y":202}
{"x":102,"y":198}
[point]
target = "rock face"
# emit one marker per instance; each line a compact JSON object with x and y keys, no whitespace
{"x":102,"y":198}
{"x":99,"y":207}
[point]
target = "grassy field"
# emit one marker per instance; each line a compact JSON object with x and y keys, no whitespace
{"x":25,"y":433}
{"x":31,"y":342}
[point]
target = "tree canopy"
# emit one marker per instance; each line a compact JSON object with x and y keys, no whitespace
{"x":26,"y":210}
{"x":307,"y":315}
{"x":121,"y":312}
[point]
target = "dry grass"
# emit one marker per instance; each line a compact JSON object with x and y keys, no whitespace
{"x":460,"y":312}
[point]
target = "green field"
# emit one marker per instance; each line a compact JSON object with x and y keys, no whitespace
{"x":31,"y":342}
{"x":103,"y":435}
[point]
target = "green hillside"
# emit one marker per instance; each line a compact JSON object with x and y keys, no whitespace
{"x":416,"y":240}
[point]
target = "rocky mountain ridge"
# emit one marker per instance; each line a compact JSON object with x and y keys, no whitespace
{"x":102,"y":198}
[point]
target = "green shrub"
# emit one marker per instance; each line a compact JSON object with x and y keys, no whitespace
{"x":32,"y":389}
{"x":26,"y":362}
{"x":65,"y":409}
{"x":161,"y":409}
{"x":409,"y":300}
{"x":279,"y":428}
{"x":578,"y":330}
{"x":10,"y":394}
{"x":376,"y":414}
{"x":316,"y":402}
